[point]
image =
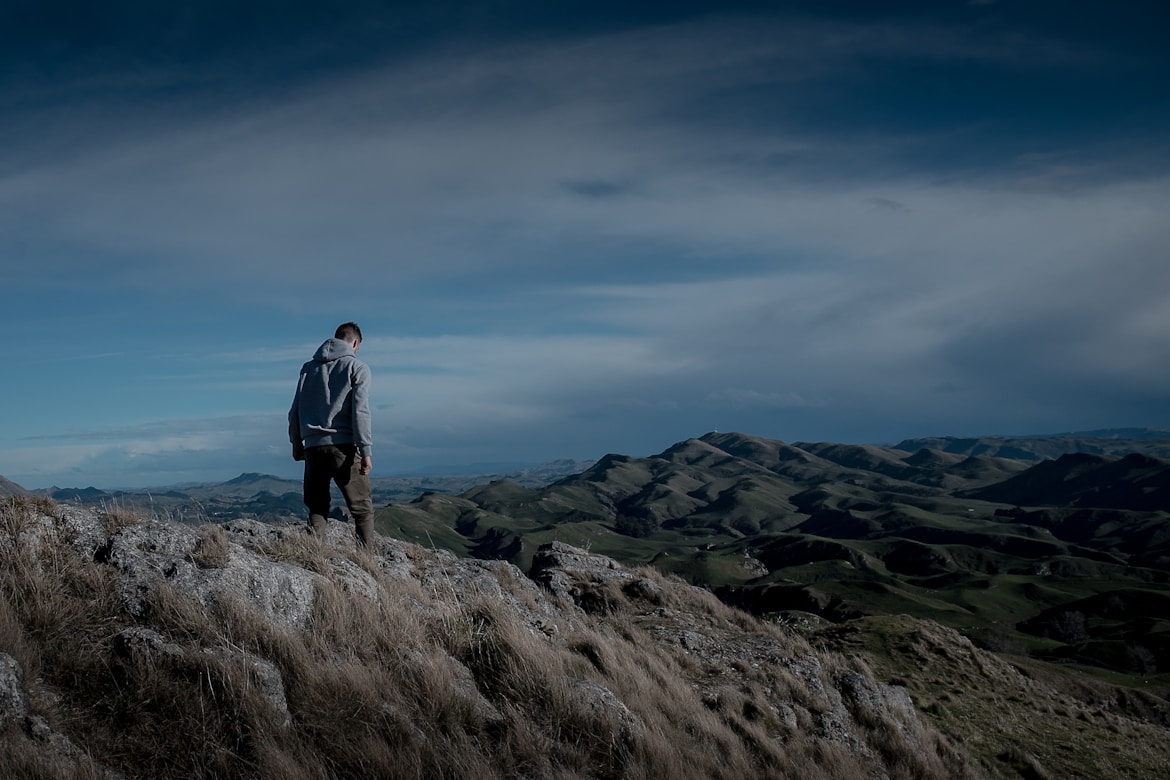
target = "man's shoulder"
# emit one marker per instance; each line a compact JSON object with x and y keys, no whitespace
{"x":352,"y":363}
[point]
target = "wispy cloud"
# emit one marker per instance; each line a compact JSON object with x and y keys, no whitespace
{"x":170,"y":430}
{"x":433,"y":166}
{"x":560,"y":241}
{"x":151,"y":454}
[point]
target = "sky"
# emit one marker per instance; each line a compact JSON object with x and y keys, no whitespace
{"x":569,"y":229}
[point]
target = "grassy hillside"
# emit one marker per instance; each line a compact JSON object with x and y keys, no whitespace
{"x":132,"y":647}
{"x":1023,"y":604}
{"x":1002,"y":550}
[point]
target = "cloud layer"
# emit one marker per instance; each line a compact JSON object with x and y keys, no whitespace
{"x":564,"y":245}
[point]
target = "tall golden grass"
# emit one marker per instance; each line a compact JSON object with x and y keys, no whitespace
{"x":422,"y":680}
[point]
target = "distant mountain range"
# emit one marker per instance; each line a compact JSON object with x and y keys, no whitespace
{"x":1108,"y":441}
{"x":267,"y":497}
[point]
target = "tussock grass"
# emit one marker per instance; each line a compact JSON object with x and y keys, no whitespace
{"x":213,"y":549}
{"x":116,"y":516}
{"x":1015,"y":717}
{"x":411,"y":677}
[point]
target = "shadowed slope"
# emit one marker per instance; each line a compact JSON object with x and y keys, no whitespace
{"x":1137,"y":482}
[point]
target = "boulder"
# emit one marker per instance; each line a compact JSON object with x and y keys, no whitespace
{"x":13,"y":703}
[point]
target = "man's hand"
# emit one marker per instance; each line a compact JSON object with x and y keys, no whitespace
{"x":367,"y":466}
{"x":298,"y":452}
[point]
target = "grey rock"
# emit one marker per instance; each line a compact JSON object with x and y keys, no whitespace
{"x":13,"y":702}
{"x":259,"y":672}
{"x":58,"y":751}
{"x":43,"y":735}
{"x":602,"y":703}
{"x":787,"y":715}
{"x":645,"y":589}
{"x":351,"y":578}
{"x":156,"y":553}
{"x":393,"y":560}
{"x":573,"y":574}
{"x":564,"y":557}
{"x":873,"y":700}
{"x":140,"y":643}
{"x":446,"y":576}
{"x":86,"y":528}
{"x":466,"y":689}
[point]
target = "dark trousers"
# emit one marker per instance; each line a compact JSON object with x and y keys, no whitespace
{"x":340,"y":464}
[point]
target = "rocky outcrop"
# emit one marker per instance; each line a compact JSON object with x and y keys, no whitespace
{"x":155,"y":553}
{"x":58,"y":756}
{"x":13,"y":705}
{"x":620,"y":662}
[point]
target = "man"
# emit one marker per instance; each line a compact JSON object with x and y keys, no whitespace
{"x":329,"y":427}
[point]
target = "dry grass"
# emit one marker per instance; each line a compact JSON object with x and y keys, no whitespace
{"x":116,"y":517}
{"x":1014,"y":717}
{"x":441,"y":680}
{"x":212,"y":551}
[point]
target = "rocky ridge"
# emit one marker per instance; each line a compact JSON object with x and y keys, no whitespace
{"x":606,"y":670}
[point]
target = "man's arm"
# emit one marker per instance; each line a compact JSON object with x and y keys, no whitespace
{"x":294,"y":422}
{"x":362,"y":428}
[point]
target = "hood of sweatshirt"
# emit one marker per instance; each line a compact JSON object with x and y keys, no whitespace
{"x":331,"y":350}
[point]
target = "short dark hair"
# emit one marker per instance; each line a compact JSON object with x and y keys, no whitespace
{"x":348,"y":331}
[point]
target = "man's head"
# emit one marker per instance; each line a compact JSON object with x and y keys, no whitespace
{"x":350,"y":333}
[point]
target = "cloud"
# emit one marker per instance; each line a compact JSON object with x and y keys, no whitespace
{"x":760,"y":399}
{"x":157,"y":453}
{"x":598,"y":239}
{"x":596,"y":188}
{"x":1039,"y":298}
{"x":441,"y":164}
{"x":198,"y":429}
{"x":886,"y":204}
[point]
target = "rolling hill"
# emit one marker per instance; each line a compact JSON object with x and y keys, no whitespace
{"x":1110,"y":441}
{"x":273,"y":499}
{"x":997,"y":548}
{"x":1137,"y":482}
{"x":9,"y":488}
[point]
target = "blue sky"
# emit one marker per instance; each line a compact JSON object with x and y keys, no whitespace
{"x":568,"y":229}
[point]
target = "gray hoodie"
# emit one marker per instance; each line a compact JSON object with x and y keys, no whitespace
{"x":332,"y":402}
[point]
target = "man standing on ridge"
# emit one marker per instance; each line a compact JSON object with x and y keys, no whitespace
{"x":329,"y":427}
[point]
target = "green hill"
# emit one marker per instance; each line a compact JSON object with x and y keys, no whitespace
{"x":1136,"y":481}
{"x":987,"y":545}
